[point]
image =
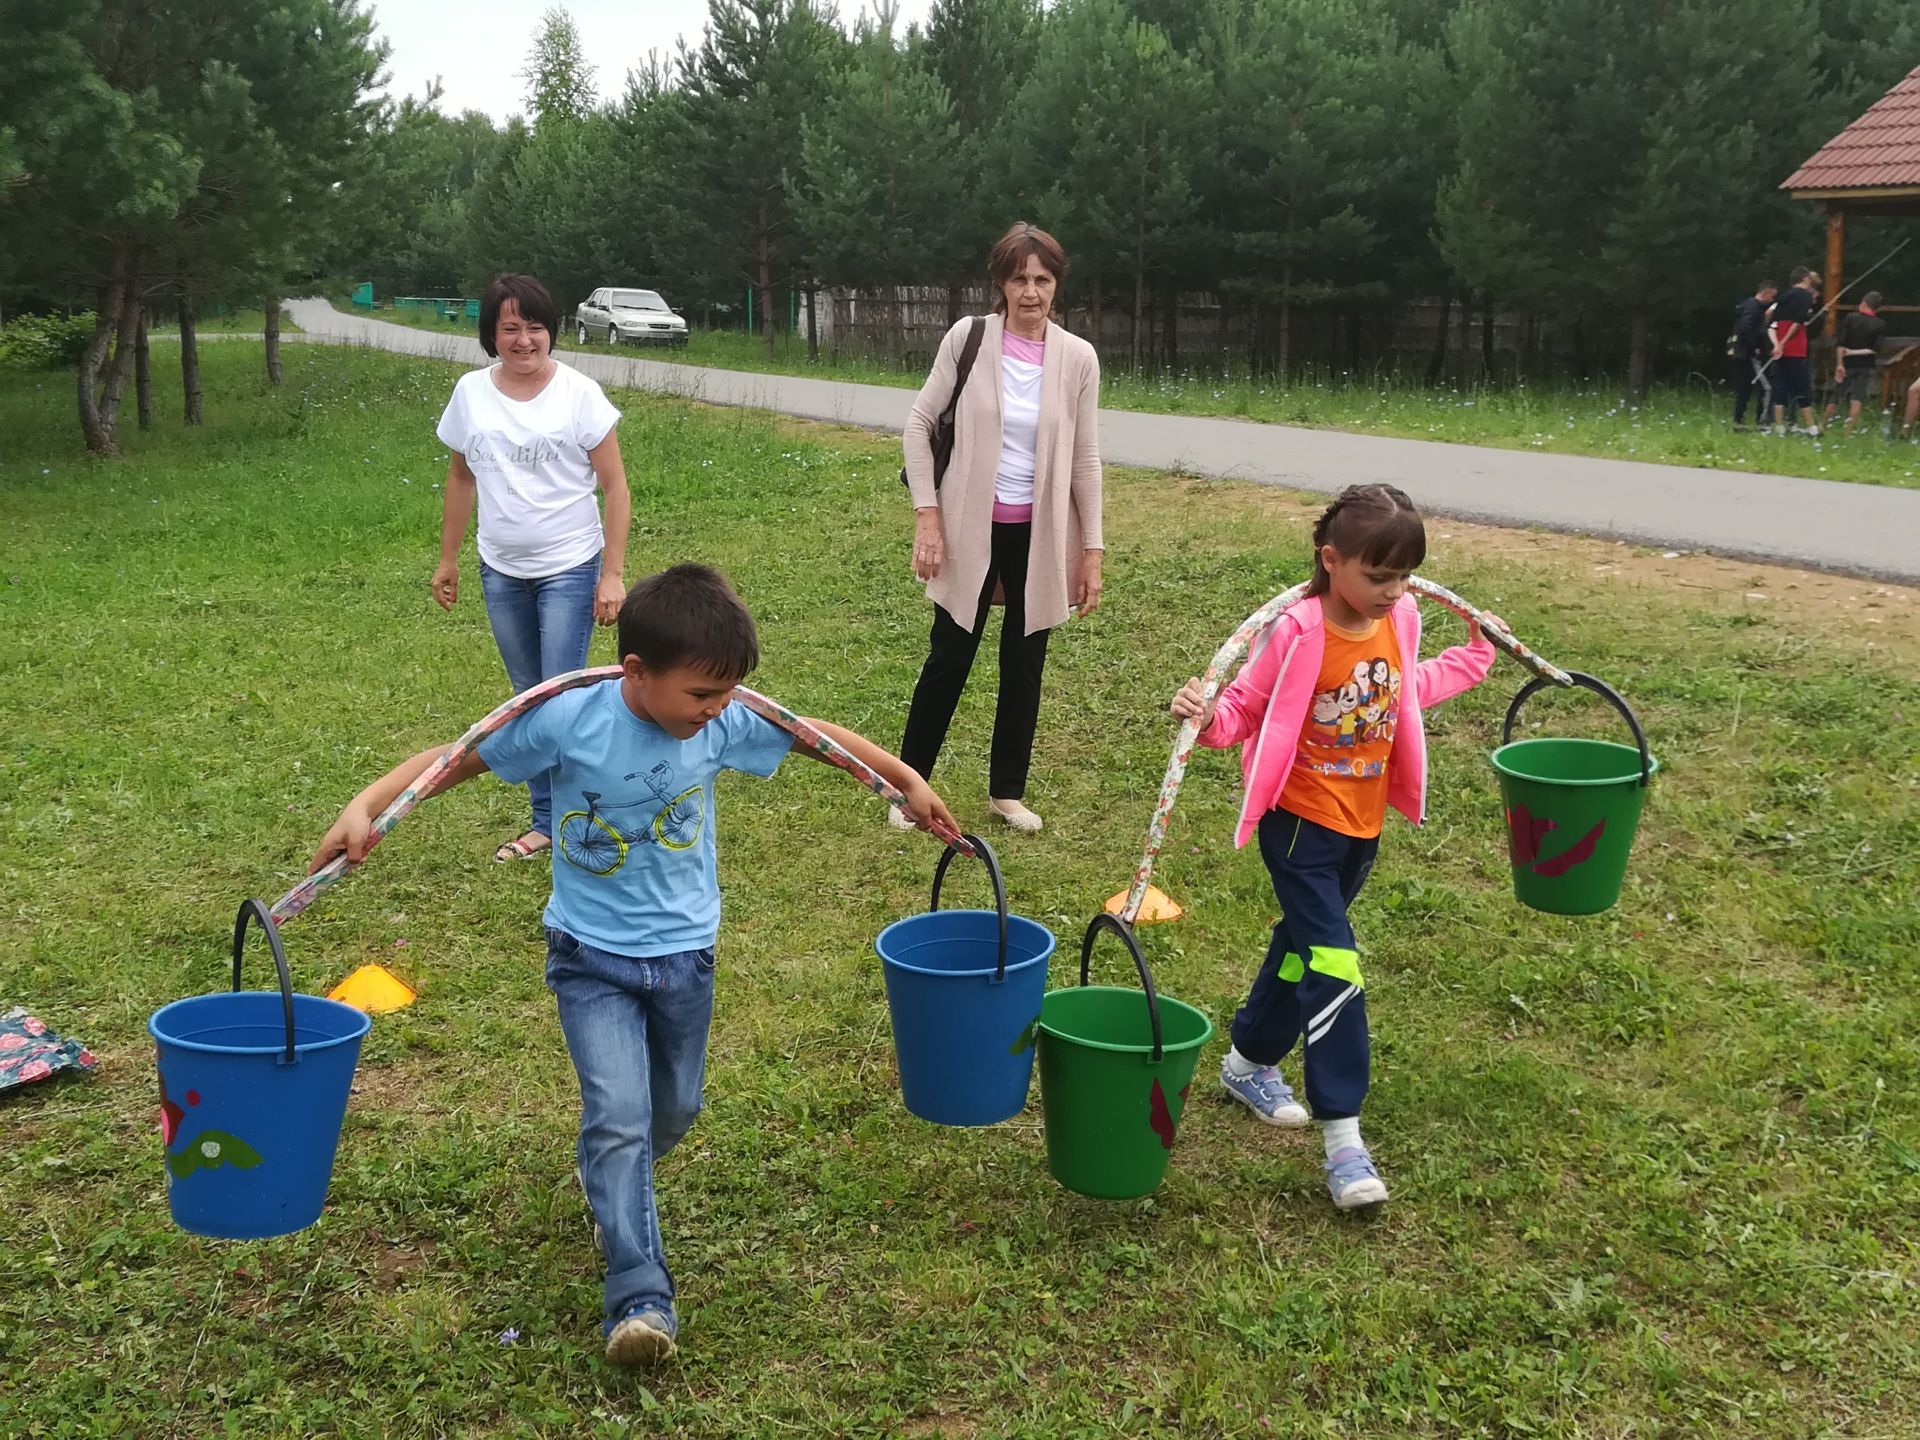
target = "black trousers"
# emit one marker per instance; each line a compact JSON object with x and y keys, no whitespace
{"x":950,"y":653}
{"x":1750,"y":383}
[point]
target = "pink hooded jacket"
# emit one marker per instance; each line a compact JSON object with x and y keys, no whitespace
{"x":1266,"y":706}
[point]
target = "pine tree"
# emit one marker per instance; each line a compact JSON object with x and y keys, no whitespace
{"x":1612,"y":169}
{"x":761,"y":68}
{"x":1120,"y":110}
{"x":982,"y":52}
{"x":877,"y":185}
{"x":1311,"y":149}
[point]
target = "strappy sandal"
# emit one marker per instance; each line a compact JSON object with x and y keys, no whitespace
{"x":518,"y":849}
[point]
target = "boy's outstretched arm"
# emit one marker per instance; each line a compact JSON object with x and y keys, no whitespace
{"x":923,"y":806}
{"x":349,"y":833}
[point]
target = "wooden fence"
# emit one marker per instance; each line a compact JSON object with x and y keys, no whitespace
{"x":905,"y":323}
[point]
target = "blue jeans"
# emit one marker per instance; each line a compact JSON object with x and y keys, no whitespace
{"x":542,"y":628}
{"x":1309,"y":983}
{"x":637,"y":1033}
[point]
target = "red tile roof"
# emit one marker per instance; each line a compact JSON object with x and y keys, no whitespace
{"x":1879,"y":150}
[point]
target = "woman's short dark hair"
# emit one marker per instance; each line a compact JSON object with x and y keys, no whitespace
{"x":1010,"y":252}
{"x":689,"y":615}
{"x":529,"y":297}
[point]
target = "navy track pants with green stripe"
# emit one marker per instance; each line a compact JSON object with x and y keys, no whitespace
{"x":1309,"y":985}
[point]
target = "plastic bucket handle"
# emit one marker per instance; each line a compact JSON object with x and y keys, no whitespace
{"x":985,"y":853}
{"x":254,"y":910}
{"x":1600,"y":688}
{"x":1104,"y":921}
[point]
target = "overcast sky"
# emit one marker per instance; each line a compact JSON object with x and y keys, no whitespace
{"x":478,"y":47}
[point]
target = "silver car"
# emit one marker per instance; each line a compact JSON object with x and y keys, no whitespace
{"x":632,"y":317}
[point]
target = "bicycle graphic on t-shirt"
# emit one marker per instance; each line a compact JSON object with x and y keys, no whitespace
{"x":590,"y":841}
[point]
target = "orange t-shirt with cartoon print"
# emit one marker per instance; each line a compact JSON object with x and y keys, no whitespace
{"x":1339,"y":776}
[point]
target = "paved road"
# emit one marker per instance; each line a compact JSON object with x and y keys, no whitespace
{"x":1823,"y":524}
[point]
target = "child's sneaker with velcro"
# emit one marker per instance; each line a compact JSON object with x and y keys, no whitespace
{"x":1266,"y":1094}
{"x":1352,"y":1179}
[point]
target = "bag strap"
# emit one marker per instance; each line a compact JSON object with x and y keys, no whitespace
{"x":968,"y":352}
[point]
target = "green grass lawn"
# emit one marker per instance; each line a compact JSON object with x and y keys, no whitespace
{"x":234,"y":322}
{"x":1656,"y":1172}
{"x":1677,"y":425}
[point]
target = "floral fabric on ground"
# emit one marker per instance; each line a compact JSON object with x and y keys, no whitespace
{"x":29,"y":1051}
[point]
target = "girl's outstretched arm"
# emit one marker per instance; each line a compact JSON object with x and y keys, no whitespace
{"x":1458,"y":668}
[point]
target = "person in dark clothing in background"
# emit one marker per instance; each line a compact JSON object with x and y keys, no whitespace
{"x":1858,"y":352}
{"x":1748,"y":349}
{"x":1795,"y":320}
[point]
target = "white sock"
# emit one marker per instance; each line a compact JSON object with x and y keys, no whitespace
{"x":1238,"y":1064}
{"x":1341,"y":1135}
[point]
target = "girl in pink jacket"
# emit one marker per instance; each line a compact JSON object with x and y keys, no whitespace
{"x":1323,"y":758}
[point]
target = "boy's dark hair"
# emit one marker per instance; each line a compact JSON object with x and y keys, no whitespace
{"x":689,"y":615}
{"x":1871,"y":300}
{"x":1800,"y":272}
{"x":529,"y":297}
{"x":1375,"y":523}
{"x":1773,"y":285}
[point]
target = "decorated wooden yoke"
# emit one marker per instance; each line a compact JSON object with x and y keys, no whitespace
{"x":1145,"y":903}
{"x":309,"y":889}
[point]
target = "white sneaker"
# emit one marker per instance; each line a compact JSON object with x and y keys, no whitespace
{"x":1016,"y":815}
{"x":897,"y":818}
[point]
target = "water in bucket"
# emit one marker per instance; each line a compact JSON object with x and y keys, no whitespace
{"x":253,"y":1090}
{"x":1115,"y":1066}
{"x":963,"y":988}
{"x":1572,"y":809}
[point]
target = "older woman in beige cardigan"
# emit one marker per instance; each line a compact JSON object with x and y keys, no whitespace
{"x":1017,"y":513}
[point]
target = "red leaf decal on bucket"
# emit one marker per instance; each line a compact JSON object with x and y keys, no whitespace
{"x":1158,"y":1116}
{"x":1581,"y":850}
{"x":1524,"y":834}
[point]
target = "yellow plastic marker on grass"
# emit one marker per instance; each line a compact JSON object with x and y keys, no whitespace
{"x":373,"y":989}
{"x":1158,"y":906}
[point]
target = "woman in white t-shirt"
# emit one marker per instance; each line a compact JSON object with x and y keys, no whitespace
{"x":531,"y":439}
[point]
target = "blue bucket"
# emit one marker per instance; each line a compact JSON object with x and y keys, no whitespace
{"x":253,"y":1089}
{"x":964,"y":990}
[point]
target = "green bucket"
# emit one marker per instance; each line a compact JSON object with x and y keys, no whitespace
{"x":1572,"y":808}
{"x":1115,"y":1065}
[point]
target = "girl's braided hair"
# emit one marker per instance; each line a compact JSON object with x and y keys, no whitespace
{"x":1378,"y":524}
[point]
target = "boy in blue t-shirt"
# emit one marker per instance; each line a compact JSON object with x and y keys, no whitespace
{"x":635,"y":908}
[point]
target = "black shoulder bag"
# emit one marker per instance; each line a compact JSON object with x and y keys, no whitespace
{"x":943,"y":427}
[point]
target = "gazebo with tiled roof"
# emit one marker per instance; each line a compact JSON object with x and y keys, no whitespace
{"x":1870,"y":168}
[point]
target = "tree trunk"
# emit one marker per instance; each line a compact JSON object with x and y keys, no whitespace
{"x":272,"y":334}
{"x":813,"y":324}
{"x":1486,"y":336}
{"x":189,"y":361}
{"x":1223,"y":330}
{"x":142,"y":374}
{"x":763,"y":261}
{"x":1637,"y":346}
{"x":1286,"y":320}
{"x":1466,"y":337}
{"x":953,"y":305}
{"x":114,"y":384}
{"x":94,"y":426}
{"x":1437,"y":362}
{"x":1580,"y":348}
{"x":1094,"y":311}
{"x":1139,"y":306}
